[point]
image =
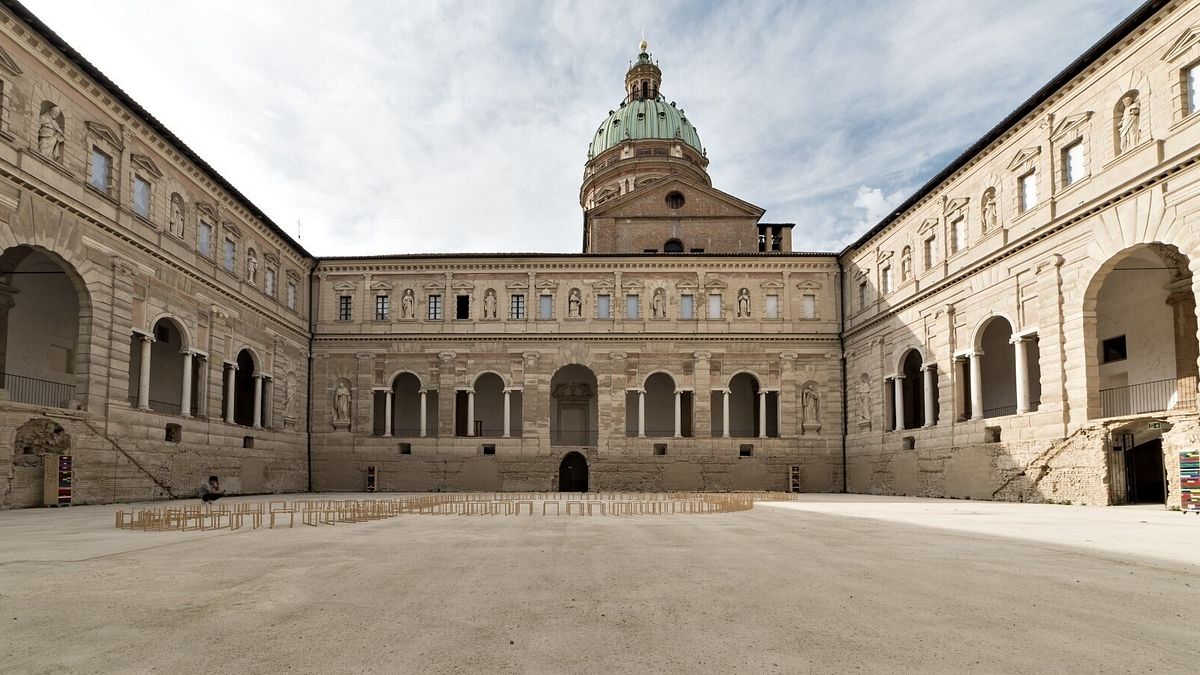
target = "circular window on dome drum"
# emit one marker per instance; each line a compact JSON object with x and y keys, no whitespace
{"x":675,"y":200}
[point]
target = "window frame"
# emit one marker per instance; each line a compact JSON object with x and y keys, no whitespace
{"x":383,"y":307}
{"x":139,"y":179}
{"x":345,"y":308}
{"x":1026,"y":203}
{"x":604,"y":302}
{"x":433,"y":307}
{"x":687,"y":301}
{"x":229,"y":255}
{"x":108,"y":174}
{"x":517,"y":309}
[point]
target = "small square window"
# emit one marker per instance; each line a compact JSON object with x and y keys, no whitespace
{"x":746,"y":450}
{"x":100,"y":170}
{"x":1113,"y":349}
{"x":174,"y":433}
{"x":382,"y":308}
{"x":516,"y":307}
{"x":462,"y":307}
{"x":141,"y":196}
{"x":660,"y":449}
{"x":405,"y":448}
{"x":434,"y":307}
{"x":633,"y":307}
{"x":1028,"y":191}
{"x":604,"y":306}
{"x":344,"y":307}
{"x":248,"y":442}
{"x":687,"y":306}
{"x":489,"y":449}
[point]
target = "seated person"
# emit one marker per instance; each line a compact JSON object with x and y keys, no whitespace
{"x":210,"y":490}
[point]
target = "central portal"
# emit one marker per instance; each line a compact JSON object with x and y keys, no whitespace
{"x":573,"y":473}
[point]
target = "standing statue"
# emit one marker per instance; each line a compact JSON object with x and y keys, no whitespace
{"x":658,"y":305}
{"x":50,"y":134}
{"x":341,"y":403}
{"x":864,"y":403}
{"x":289,"y":397}
{"x":489,"y":304}
{"x":1128,"y":130}
{"x":251,"y":267}
{"x":407,"y":304}
{"x":989,"y":210}
{"x":743,"y":304}
{"x":177,"y":217}
{"x":574,"y":304}
{"x":810,"y":409}
{"x":906,"y":264}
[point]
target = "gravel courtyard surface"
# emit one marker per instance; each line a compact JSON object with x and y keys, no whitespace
{"x":830,"y":583}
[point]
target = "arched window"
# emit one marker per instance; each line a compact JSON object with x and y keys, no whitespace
{"x":673,"y":246}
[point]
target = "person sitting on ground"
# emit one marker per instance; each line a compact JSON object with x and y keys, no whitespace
{"x":210,"y":490}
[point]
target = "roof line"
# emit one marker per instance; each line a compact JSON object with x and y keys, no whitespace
{"x":94,"y":73}
{"x":1110,"y":39}
{"x":659,"y":256}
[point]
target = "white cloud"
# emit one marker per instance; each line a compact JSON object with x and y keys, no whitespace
{"x":462,"y":126}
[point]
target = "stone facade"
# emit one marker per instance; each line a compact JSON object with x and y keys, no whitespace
{"x":1023,"y":328}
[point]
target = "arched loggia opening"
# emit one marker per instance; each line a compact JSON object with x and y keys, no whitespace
{"x":997,"y":368}
{"x":912,"y":392}
{"x":573,"y":473}
{"x":487,"y":410}
{"x":573,"y":409}
{"x":411,"y":409}
{"x":172,"y":380}
{"x":1140,"y":333}
{"x":750,"y":410}
{"x":243,"y":384}
{"x":247,"y":394}
{"x":43,"y":306}
{"x":659,"y":409}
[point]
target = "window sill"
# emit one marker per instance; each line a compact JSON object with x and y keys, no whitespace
{"x":380,"y":321}
{"x":97,"y":191}
{"x":144,"y":219}
{"x":1068,"y":189}
{"x":1182,"y":123}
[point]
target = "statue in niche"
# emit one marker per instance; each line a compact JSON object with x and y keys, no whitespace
{"x":289,"y":397}
{"x":574,"y":304}
{"x":489,"y":304}
{"x":407,"y":304}
{"x":906,"y":264}
{"x":50,"y":132}
{"x":743,"y":304}
{"x":251,"y":266}
{"x":658,"y":304}
{"x":176,"y":226}
{"x":989,"y":210}
{"x":341,"y":404}
{"x":1128,"y":128}
{"x":810,"y":407}
{"x":864,"y":403}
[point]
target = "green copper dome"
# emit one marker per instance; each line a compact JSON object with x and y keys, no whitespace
{"x":650,"y":118}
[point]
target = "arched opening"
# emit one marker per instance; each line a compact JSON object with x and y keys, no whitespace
{"x":573,"y":473}
{"x":42,"y":306}
{"x":406,"y":406}
{"x":488,"y":420}
{"x":243,"y":386}
{"x":1140,"y":335}
{"x":573,"y":409}
{"x":913,"y":389}
{"x":167,"y":360}
{"x":673,"y":246}
{"x":997,"y":368}
{"x":659,"y":407}
{"x":753,"y":412}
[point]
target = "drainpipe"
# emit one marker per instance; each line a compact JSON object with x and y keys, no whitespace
{"x":312,"y":329}
{"x":842,"y":356}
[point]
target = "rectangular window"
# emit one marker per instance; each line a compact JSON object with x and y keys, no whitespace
{"x":1113,"y":349}
{"x":516,"y":307}
{"x":435,"y":307}
{"x":141,"y":196}
{"x":604,"y":306}
{"x":714,"y":306}
{"x":462,"y":306}
{"x":885,"y":280}
{"x":205,"y":239}
{"x":687,"y":306}
{"x":958,"y":235}
{"x":633,"y":307}
{"x":930,"y":252}
{"x":381,"y":307}
{"x":545,"y":306}
{"x":230,"y":255}
{"x":772,"y":306}
{"x":808,"y":306}
{"x":1073,"y":167}
{"x":269,"y":281}
{"x":344,"y":307}
{"x":1028,"y":191}
{"x":1190,"y":77}
{"x":291,"y":295}
{"x":99,"y":171}
{"x":863,"y":295}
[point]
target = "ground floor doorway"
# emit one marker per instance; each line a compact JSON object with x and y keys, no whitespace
{"x":1144,"y":474}
{"x":573,"y":473}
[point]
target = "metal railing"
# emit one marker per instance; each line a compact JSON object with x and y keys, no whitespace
{"x":1002,"y":411}
{"x":1145,"y":397}
{"x":574,"y":437}
{"x":31,"y":390}
{"x":165,"y":407}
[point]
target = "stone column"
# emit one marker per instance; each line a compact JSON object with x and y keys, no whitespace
{"x":231,"y":393}
{"x":976,"y":385}
{"x":269,"y":403}
{"x":424,"y":415}
{"x":470,"y":412}
{"x":725,"y":413}
{"x":387,"y":413}
{"x":678,"y":414}
{"x":202,"y":386}
{"x":144,"y":375}
{"x":1020,"y":359}
{"x":898,"y":401}
{"x":185,"y":396}
{"x":928,"y":371}
{"x":641,"y":413}
{"x":960,"y":391}
{"x":889,"y":404}
{"x":507,"y":413}
{"x":762,"y":413}
{"x":258,"y":395}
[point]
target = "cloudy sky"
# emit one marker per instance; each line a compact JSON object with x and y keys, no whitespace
{"x":463,"y":126}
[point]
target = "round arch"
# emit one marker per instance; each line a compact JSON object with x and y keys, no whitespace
{"x":176,"y":323}
{"x":255,"y":361}
{"x":392,"y":379}
{"x":505,"y":381}
{"x":903,"y":357}
{"x":743,"y":371}
{"x":982,"y":325}
{"x":574,"y":412}
{"x":660,"y":371}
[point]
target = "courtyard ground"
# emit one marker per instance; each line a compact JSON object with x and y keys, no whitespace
{"x":828,"y":583}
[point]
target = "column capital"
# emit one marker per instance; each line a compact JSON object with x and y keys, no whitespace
{"x":143,"y":335}
{"x":232,"y":365}
{"x":702,"y":356}
{"x":929,"y":366}
{"x":188,"y":352}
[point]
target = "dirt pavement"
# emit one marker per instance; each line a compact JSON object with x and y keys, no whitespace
{"x":833,"y":583}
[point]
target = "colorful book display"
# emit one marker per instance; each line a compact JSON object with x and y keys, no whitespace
{"x":1189,"y":480}
{"x":56,"y":481}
